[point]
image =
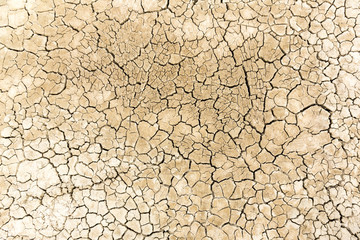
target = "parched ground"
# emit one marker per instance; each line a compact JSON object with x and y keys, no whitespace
{"x":178,"y":119}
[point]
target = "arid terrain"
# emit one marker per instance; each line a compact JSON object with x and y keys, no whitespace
{"x":179,"y":119}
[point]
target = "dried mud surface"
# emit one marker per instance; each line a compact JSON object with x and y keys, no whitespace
{"x":174,"y":119}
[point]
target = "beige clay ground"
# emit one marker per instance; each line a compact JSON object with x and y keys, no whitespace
{"x":179,"y":119}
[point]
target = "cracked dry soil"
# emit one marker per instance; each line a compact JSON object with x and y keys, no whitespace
{"x":179,"y":119}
